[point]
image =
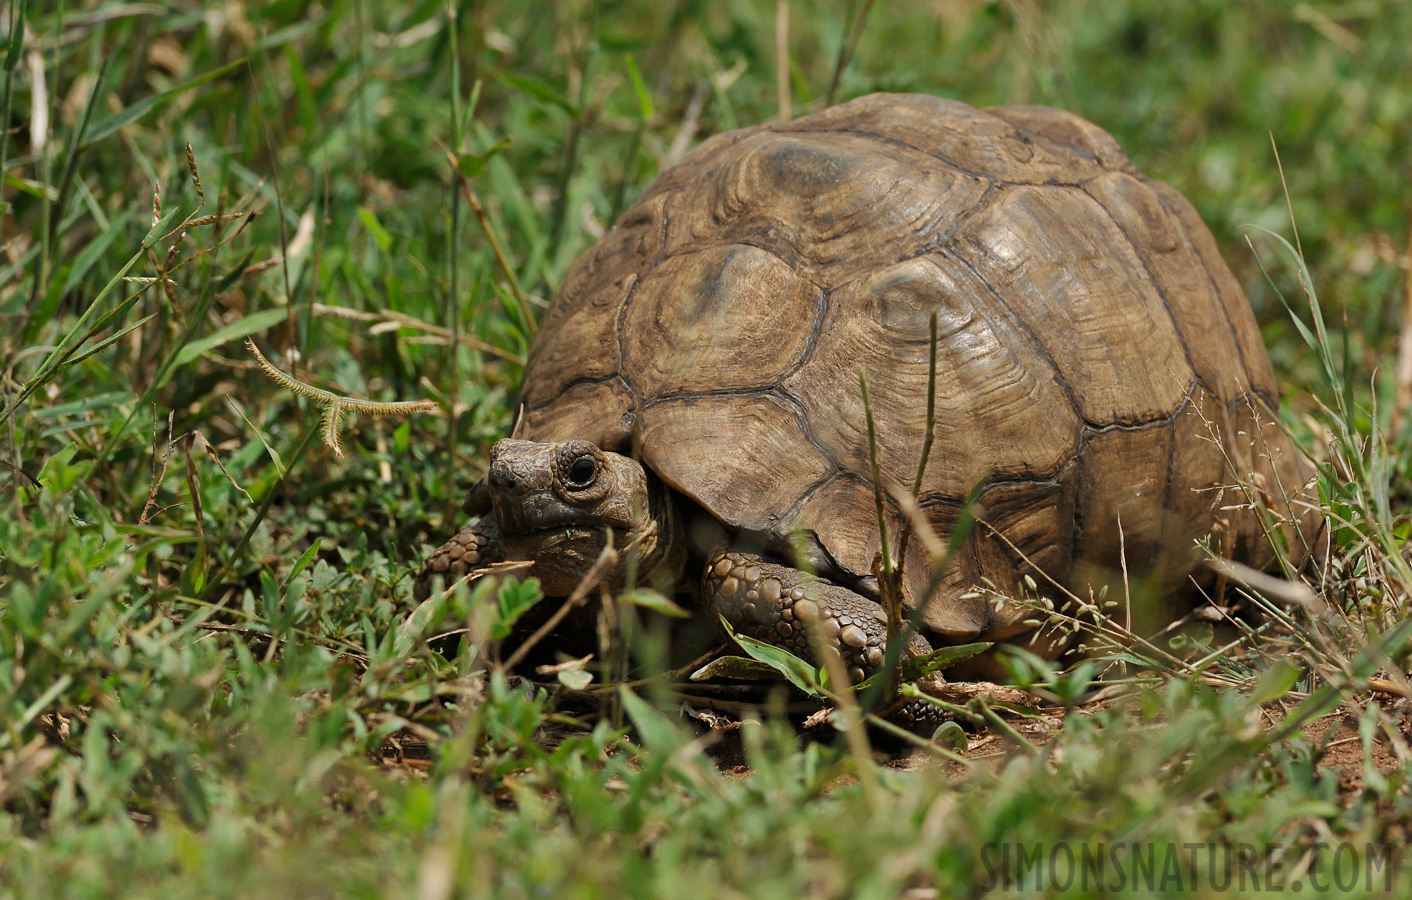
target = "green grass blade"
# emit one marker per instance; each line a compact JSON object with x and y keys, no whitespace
{"x":110,"y":125}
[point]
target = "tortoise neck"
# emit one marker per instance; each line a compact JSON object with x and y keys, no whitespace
{"x":662,"y":540}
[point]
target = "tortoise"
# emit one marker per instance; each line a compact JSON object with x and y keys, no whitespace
{"x":694,"y":388}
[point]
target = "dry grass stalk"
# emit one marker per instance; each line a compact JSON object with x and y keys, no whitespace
{"x":1404,"y":344}
{"x":387,"y":319}
{"x":335,"y":405}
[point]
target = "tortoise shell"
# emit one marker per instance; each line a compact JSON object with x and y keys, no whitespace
{"x":1099,"y":369}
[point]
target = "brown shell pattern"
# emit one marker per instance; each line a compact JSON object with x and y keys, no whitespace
{"x":1099,"y":369}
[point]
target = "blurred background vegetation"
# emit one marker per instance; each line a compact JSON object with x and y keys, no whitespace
{"x":203,"y":613}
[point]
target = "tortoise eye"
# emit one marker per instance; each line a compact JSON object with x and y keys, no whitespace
{"x":582,"y":472}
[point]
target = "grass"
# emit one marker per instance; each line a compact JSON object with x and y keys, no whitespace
{"x":212,"y":680}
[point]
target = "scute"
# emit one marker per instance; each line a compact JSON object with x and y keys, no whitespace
{"x":1259,"y":376}
{"x":746,"y":458}
{"x":578,"y":339}
{"x":1065,"y":272}
{"x":833,"y":206}
{"x":971,"y":140}
{"x":1122,"y":479}
{"x":697,"y":323}
{"x":597,"y":411}
{"x":1068,"y":130}
{"x":1000,"y":410}
{"x":1187,"y":292}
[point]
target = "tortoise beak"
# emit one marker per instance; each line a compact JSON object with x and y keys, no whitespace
{"x":521,"y":484}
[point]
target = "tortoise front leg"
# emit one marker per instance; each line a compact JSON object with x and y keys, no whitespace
{"x":774,"y":604}
{"x":473,"y":547}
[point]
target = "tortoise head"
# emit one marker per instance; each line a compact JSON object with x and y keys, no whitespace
{"x":555,"y":503}
{"x":537,"y":487}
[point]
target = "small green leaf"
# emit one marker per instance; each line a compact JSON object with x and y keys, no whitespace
{"x":374,"y":227}
{"x":17,"y":35}
{"x":193,"y":796}
{"x":110,"y":339}
{"x":538,"y":90}
{"x":915,"y":667}
{"x":303,"y":562}
{"x":740,"y":667}
{"x":271,"y":600}
{"x":514,"y":599}
{"x":472,"y":165}
{"x":1151,"y":703}
{"x":269,"y":448}
{"x":656,"y":730}
{"x":798,"y":672}
{"x":648,"y":599}
{"x":644,"y":99}
{"x":1275,"y":682}
{"x":575,"y":679}
{"x":949,"y":734}
{"x":144,"y":106}
{"x":418,"y":622}
{"x":94,"y":249}
{"x":240,"y":328}
{"x":87,"y":404}
{"x":35,"y":189}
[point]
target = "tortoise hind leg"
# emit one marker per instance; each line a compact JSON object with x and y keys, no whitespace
{"x":474,"y":546}
{"x":774,"y":604}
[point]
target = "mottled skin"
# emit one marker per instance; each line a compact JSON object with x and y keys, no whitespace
{"x":778,"y":604}
{"x":1099,"y":374}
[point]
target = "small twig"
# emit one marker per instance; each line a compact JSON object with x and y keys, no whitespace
{"x":156,"y":477}
{"x":279,"y":200}
{"x":1127,"y":588}
{"x":900,"y":628}
{"x":197,"y":440}
{"x":915,"y":521}
{"x":889,"y":585}
{"x":19,"y":473}
{"x":878,"y":491}
{"x":930,"y":432}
